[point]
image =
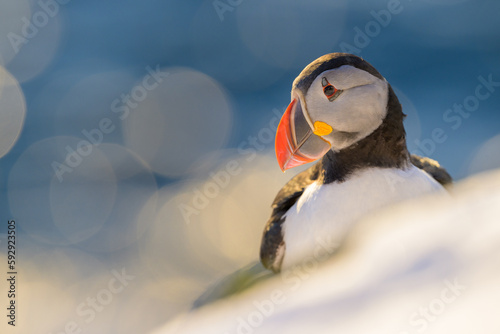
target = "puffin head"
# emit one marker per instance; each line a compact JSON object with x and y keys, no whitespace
{"x":337,"y":100}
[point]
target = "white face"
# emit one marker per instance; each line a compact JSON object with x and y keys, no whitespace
{"x":355,"y":113}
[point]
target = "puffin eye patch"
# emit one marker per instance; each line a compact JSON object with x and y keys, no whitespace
{"x":329,"y":90}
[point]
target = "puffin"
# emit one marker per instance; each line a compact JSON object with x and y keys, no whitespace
{"x":344,"y":115}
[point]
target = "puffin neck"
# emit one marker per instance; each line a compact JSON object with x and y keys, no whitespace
{"x":384,"y":148}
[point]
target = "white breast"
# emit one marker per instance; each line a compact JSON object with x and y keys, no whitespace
{"x":322,"y":216}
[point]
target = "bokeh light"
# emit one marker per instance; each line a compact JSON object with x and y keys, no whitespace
{"x":184,"y":117}
{"x":32,"y":32}
{"x":12,"y":111}
{"x":82,"y":200}
{"x":134,"y":205}
{"x":77,"y":115}
{"x":59,"y":195}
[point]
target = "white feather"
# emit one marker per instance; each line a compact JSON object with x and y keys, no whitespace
{"x":325,"y":212}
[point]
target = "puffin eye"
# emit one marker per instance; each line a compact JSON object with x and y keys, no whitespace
{"x":329,"y":90}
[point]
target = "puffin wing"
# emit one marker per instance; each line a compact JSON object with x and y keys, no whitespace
{"x":433,"y":168}
{"x":272,"y":247}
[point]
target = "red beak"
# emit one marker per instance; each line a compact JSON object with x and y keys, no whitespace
{"x":295,"y":143}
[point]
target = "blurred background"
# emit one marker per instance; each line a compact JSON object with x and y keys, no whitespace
{"x":136,"y":137}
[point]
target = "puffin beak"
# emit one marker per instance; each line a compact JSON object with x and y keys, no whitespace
{"x":296,"y":142}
